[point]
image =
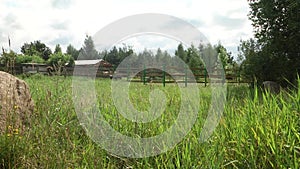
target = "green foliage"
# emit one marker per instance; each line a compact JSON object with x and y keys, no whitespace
{"x":181,"y":53}
{"x":29,"y":59}
{"x":36,"y":48}
{"x":12,"y":147}
{"x":197,"y":57}
{"x":225,"y":57}
{"x":259,"y":64}
{"x":59,"y":59}
{"x":159,"y":55}
{"x":162,"y":57}
{"x":57,"y":49}
{"x":192,"y":53}
{"x":116,"y":55}
{"x":209,"y":56}
{"x":9,"y":61}
{"x":193,"y":60}
{"x":71,"y":50}
{"x":249,"y":58}
{"x":260,"y":131}
{"x":71,"y":61}
{"x":192,"y":56}
{"x":112,"y":56}
{"x":276,"y":27}
{"x":88,"y":51}
{"x":7,"y":57}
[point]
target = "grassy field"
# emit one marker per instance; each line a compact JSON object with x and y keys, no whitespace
{"x":256,"y":130}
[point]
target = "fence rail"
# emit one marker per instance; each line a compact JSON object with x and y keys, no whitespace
{"x":180,"y":75}
{"x":165,"y":75}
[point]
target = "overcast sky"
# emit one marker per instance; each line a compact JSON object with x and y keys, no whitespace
{"x":68,"y":21}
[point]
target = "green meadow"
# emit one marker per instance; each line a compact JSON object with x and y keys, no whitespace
{"x":256,"y":130}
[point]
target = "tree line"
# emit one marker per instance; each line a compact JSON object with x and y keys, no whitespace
{"x":272,"y":55}
{"x":274,"y":52}
{"x":38,"y":52}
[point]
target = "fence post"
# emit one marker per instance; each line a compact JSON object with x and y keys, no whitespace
{"x":164,"y":75}
{"x":205,"y":77}
{"x":128,"y":66}
{"x":185,"y":76}
{"x":239,"y":76}
{"x":144,"y":74}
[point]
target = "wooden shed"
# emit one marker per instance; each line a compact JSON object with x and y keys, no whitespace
{"x":88,"y":68}
{"x":32,"y":68}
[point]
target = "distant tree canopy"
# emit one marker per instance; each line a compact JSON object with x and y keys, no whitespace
{"x":274,"y":54}
{"x":206,"y":56}
{"x":181,"y":53}
{"x":57,"y":49}
{"x":36,"y":48}
{"x":60,"y":59}
{"x":192,"y":56}
{"x":225,"y":57}
{"x":116,"y":55}
{"x":88,"y":51}
{"x":71,"y":50}
{"x":38,"y":52}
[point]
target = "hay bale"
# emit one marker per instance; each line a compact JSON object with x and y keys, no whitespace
{"x":16,"y":104}
{"x":271,"y":87}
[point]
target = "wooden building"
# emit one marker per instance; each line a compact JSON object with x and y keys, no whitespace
{"x":90,"y":67}
{"x":32,"y":68}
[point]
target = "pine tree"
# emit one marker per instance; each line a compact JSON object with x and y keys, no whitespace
{"x":88,"y":51}
{"x":72,"y":51}
{"x":57,"y":49}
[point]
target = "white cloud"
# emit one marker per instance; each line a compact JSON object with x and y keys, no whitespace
{"x":67,"y":21}
{"x":151,"y":42}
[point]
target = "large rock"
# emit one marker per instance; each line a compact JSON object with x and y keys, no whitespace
{"x":271,"y":87}
{"x":16,"y":105}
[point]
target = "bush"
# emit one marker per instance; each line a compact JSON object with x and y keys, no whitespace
{"x":29,"y":59}
{"x":59,"y":59}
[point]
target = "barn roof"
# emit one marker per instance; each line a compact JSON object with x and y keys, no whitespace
{"x":88,"y":62}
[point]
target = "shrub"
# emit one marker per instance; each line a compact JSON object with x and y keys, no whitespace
{"x":29,"y":59}
{"x":59,"y":59}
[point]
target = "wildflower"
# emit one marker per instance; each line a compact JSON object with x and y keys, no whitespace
{"x":16,"y":107}
{"x":8,"y":135}
{"x":16,"y":131}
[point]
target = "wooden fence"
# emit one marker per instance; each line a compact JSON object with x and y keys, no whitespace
{"x":164,"y":75}
{"x":179,"y":75}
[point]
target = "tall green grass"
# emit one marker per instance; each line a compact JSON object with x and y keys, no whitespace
{"x":257,"y":130}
